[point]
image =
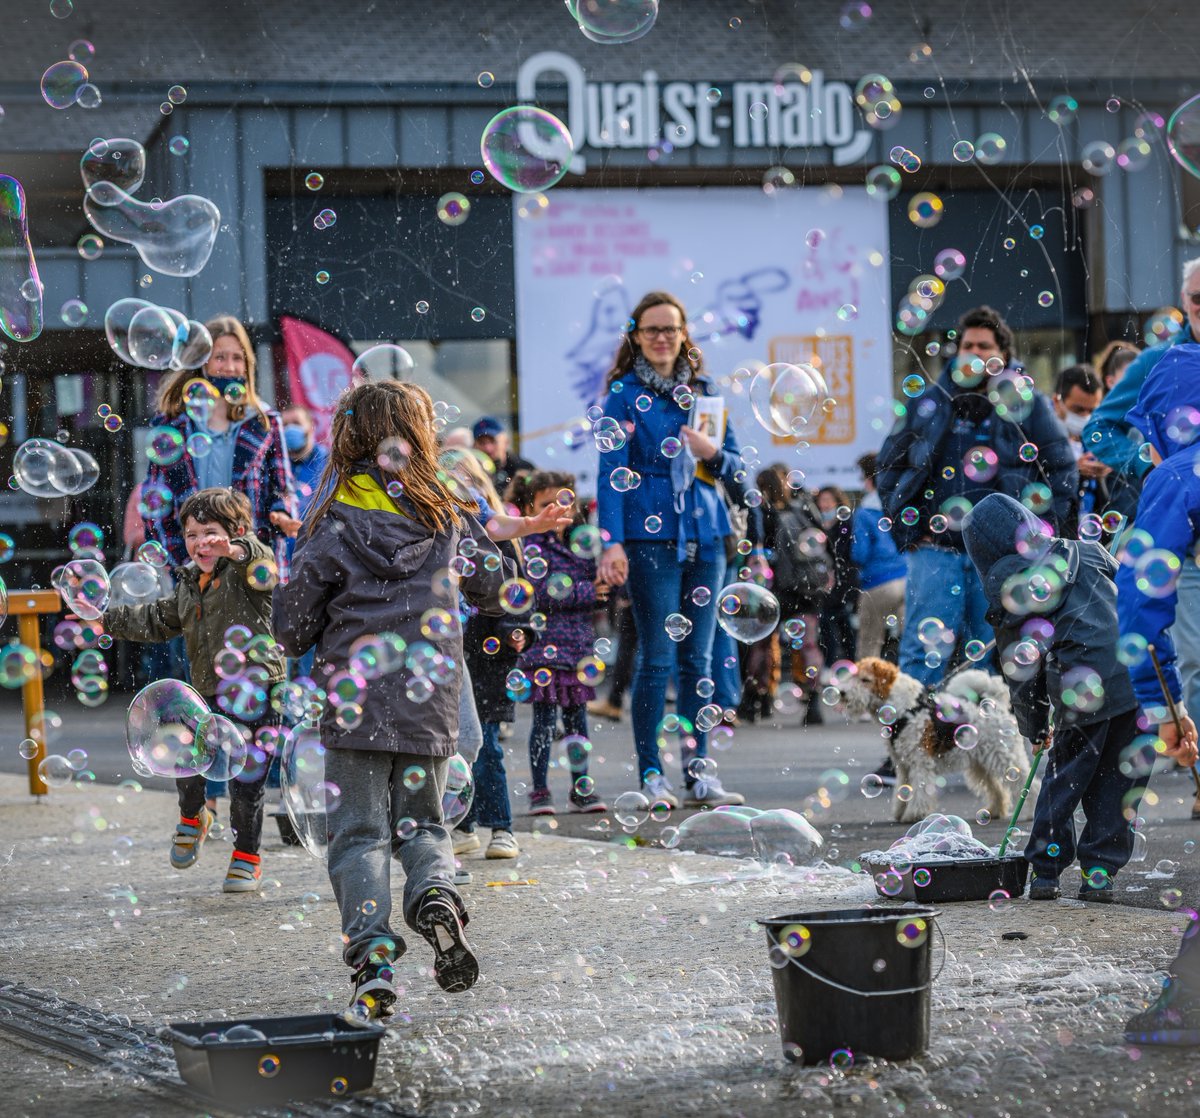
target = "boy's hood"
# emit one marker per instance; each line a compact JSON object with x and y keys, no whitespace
{"x":1018,"y":560}
{"x":383,"y":532}
{"x":1166,"y":407}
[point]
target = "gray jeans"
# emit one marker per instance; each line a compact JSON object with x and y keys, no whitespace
{"x":470,"y":732}
{"x":375,"y":812}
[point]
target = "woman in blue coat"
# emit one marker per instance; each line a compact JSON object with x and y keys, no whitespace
{"x":664,"y":525}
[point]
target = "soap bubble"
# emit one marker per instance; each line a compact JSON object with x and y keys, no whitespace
{"x":161,"y":730}
{"x":56,"y":771}
{"x":219,"y":738}
{"x":883,"y":182}
{"x":120,"y":161}
{"x":784,"y":397}
{"x":631,"y":809}
{"x":1098,"y":157}
{"x":612,"y":22}
{"x":61,"y":84}
{"x":134,"y":583}
{"x":747,"y":611}
{"x":192,"y":346}
{"x":307,"y":796}
{"x":453,"y":208}
{"x":459,"y":792}
{"x":871,"y":786}
{"x":949,"y":264}
{"x":20,"y":287}
{"x":1157,"y":571}
{"x":43,"y":468}
{"x":526,"y":149}
{"x":151,"y":337}
{"x":174,"y":237}
{"x":925,"y":210}
{"x":1183,"y":135}
{"x":384,"y":362}
{"x":678,"y":626}
{"x":84,"y":588}
{"x":117,"y":320}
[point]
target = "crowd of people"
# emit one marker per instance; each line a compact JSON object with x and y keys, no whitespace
{"x":983,"y":517}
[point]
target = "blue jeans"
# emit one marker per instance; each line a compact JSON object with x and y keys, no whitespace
{"x":541,"y":739}
{"x":491,"y":806}
{"x":943,"y":584}
{"x":659,"y":584}
{"x":728,"y":678}
{"x":1185,"y":632}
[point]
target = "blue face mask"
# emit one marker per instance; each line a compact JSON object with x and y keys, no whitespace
{"x":221,"y":384}
{"x":295,"y":438}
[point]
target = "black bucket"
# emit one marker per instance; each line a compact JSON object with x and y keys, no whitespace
{"x":965,"y":879}
{"x":852,"y":982}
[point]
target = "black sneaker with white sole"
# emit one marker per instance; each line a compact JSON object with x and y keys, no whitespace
{"x":374,"y":992}
{"x":454,"y":964}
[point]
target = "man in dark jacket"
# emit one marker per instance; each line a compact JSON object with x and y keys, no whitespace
{"x":981,"y":428}
{"x":492,"y":439}
{"x":1053,"y":603}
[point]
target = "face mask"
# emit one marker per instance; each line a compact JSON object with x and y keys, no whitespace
{"x":1075,"y":424}
{"x":295,"y":438}
{"x":829,"y":517}
{"x":221,"y":384}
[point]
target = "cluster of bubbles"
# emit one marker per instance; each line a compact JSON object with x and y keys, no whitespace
{"x":45,"y":468}
{"x":173,"y":237}
{"x":153,"y":337}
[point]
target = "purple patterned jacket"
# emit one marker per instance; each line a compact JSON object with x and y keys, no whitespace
{"x":569,"y":629}
{"x":261,"y":471}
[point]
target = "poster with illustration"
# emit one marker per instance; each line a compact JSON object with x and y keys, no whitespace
{"x":799,"y":276}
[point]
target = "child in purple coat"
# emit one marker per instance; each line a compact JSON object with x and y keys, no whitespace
{"x":562,"y":569}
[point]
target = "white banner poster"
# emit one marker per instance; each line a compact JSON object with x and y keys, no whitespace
{"x":800,"y":275}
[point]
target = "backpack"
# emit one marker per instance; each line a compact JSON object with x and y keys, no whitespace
{"x":803,"y":573}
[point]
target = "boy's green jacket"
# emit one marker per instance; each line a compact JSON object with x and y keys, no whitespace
{"x":204,"y":618}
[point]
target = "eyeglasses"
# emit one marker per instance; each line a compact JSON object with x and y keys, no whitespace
{"x":653,"y":332}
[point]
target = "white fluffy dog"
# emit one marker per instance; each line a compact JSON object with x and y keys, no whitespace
{"x":966,"y":725}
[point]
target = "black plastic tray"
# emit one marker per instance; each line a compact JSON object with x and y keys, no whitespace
{"x":969,"y":879}
{"x":310,"y":1057}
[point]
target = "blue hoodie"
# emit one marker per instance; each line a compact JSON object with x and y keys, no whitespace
{"x":1169,"y":511}
{"x":1060,"y":595}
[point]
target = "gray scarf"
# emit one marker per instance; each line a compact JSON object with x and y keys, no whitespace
{"x":645,"y":372}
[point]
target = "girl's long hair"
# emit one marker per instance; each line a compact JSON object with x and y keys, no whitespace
{"x":629,"y":349}
{"x":465,"y":468}
{"x":367,"y":417}
{"x":170,"y":393}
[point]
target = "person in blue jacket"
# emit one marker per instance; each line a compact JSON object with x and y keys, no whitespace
{"x":1107,"y":434}
{"x":664,"y":526}
{"x":882,"y":570}
{"x":980,"y":428}
{"x":1163,"y":545}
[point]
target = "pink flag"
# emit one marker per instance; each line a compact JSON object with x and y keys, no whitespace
{"x":319,"y":369}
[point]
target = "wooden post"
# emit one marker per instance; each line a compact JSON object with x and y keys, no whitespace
{"x":27,"y":606}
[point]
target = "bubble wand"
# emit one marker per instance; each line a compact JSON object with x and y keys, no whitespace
{"x":1174,"y":712}
{"x":1012,"y":823}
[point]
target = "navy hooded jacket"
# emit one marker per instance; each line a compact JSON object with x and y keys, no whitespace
{"x":1167,"y":413}
{"x":913,"y":457}
{"x":1059,"y":597}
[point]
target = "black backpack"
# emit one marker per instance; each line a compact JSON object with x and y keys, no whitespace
{"x":802,"y":573}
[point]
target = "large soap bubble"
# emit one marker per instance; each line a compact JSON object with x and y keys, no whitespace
{"x":307,"y":796}
{"x":152,"y":337}
{"x":725,"y":831}
{"x":1183,"y":135}
{"x":784,"y":397}
{"x":89,"y":471}
{"x":192,"y":346}
{"x":44,"y":468}
{"x":526,"y":149}
{"x":62,"y":83}
{"x":20,"y":287}
{"x":217,"y":736}
{"x":120,"y":162}
{"x":783,"y":836}
{"x":460,"y":791}
{"x":610,"y":22}
{"x":175,"y":237}
{"x":117,"y":320}
{"x":84,"y":587}
{"x":134,"y":584}
{"x":747,"y":611}
{"x":161,"y":731}
{"x":383,"y":362}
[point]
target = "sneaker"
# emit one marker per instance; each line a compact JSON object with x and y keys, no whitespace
{"x":189,"y":837}
{"x":588,"y":803}
{"x":465,"y":842}
{"x":454,"y":964}
{"x":244,"y":874}
{"x":887,"y":773}
{"x":503,"y":845}
{"x":506,"y":731}
{"x":604,"y":708}
{"x":813,"y":716}
{"x":374,"y":992}
{"x":1173,"y":1018}
{"x":1044,"y":889}
{"x":1104,"y":893}
{"x":541,"y":802}
{"x":658,"y":790}
{"x":462,"y":877}
{"x":710,"y":793}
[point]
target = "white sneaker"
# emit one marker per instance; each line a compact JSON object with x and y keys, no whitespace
{"x":503,"y":845}
{"x":709,"y":793}
{"x":658,"y":790}
{"x":464,"y":842}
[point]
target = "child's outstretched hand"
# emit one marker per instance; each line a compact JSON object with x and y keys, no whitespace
{"x":1181,"y":747}
{"x":550,"y":519}
{"x":288,"y":525}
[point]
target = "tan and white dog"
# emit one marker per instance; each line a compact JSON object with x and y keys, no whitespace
{"x":964,"y":726}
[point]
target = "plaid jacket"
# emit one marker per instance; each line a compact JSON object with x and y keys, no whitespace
{"x":261,"y":471}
